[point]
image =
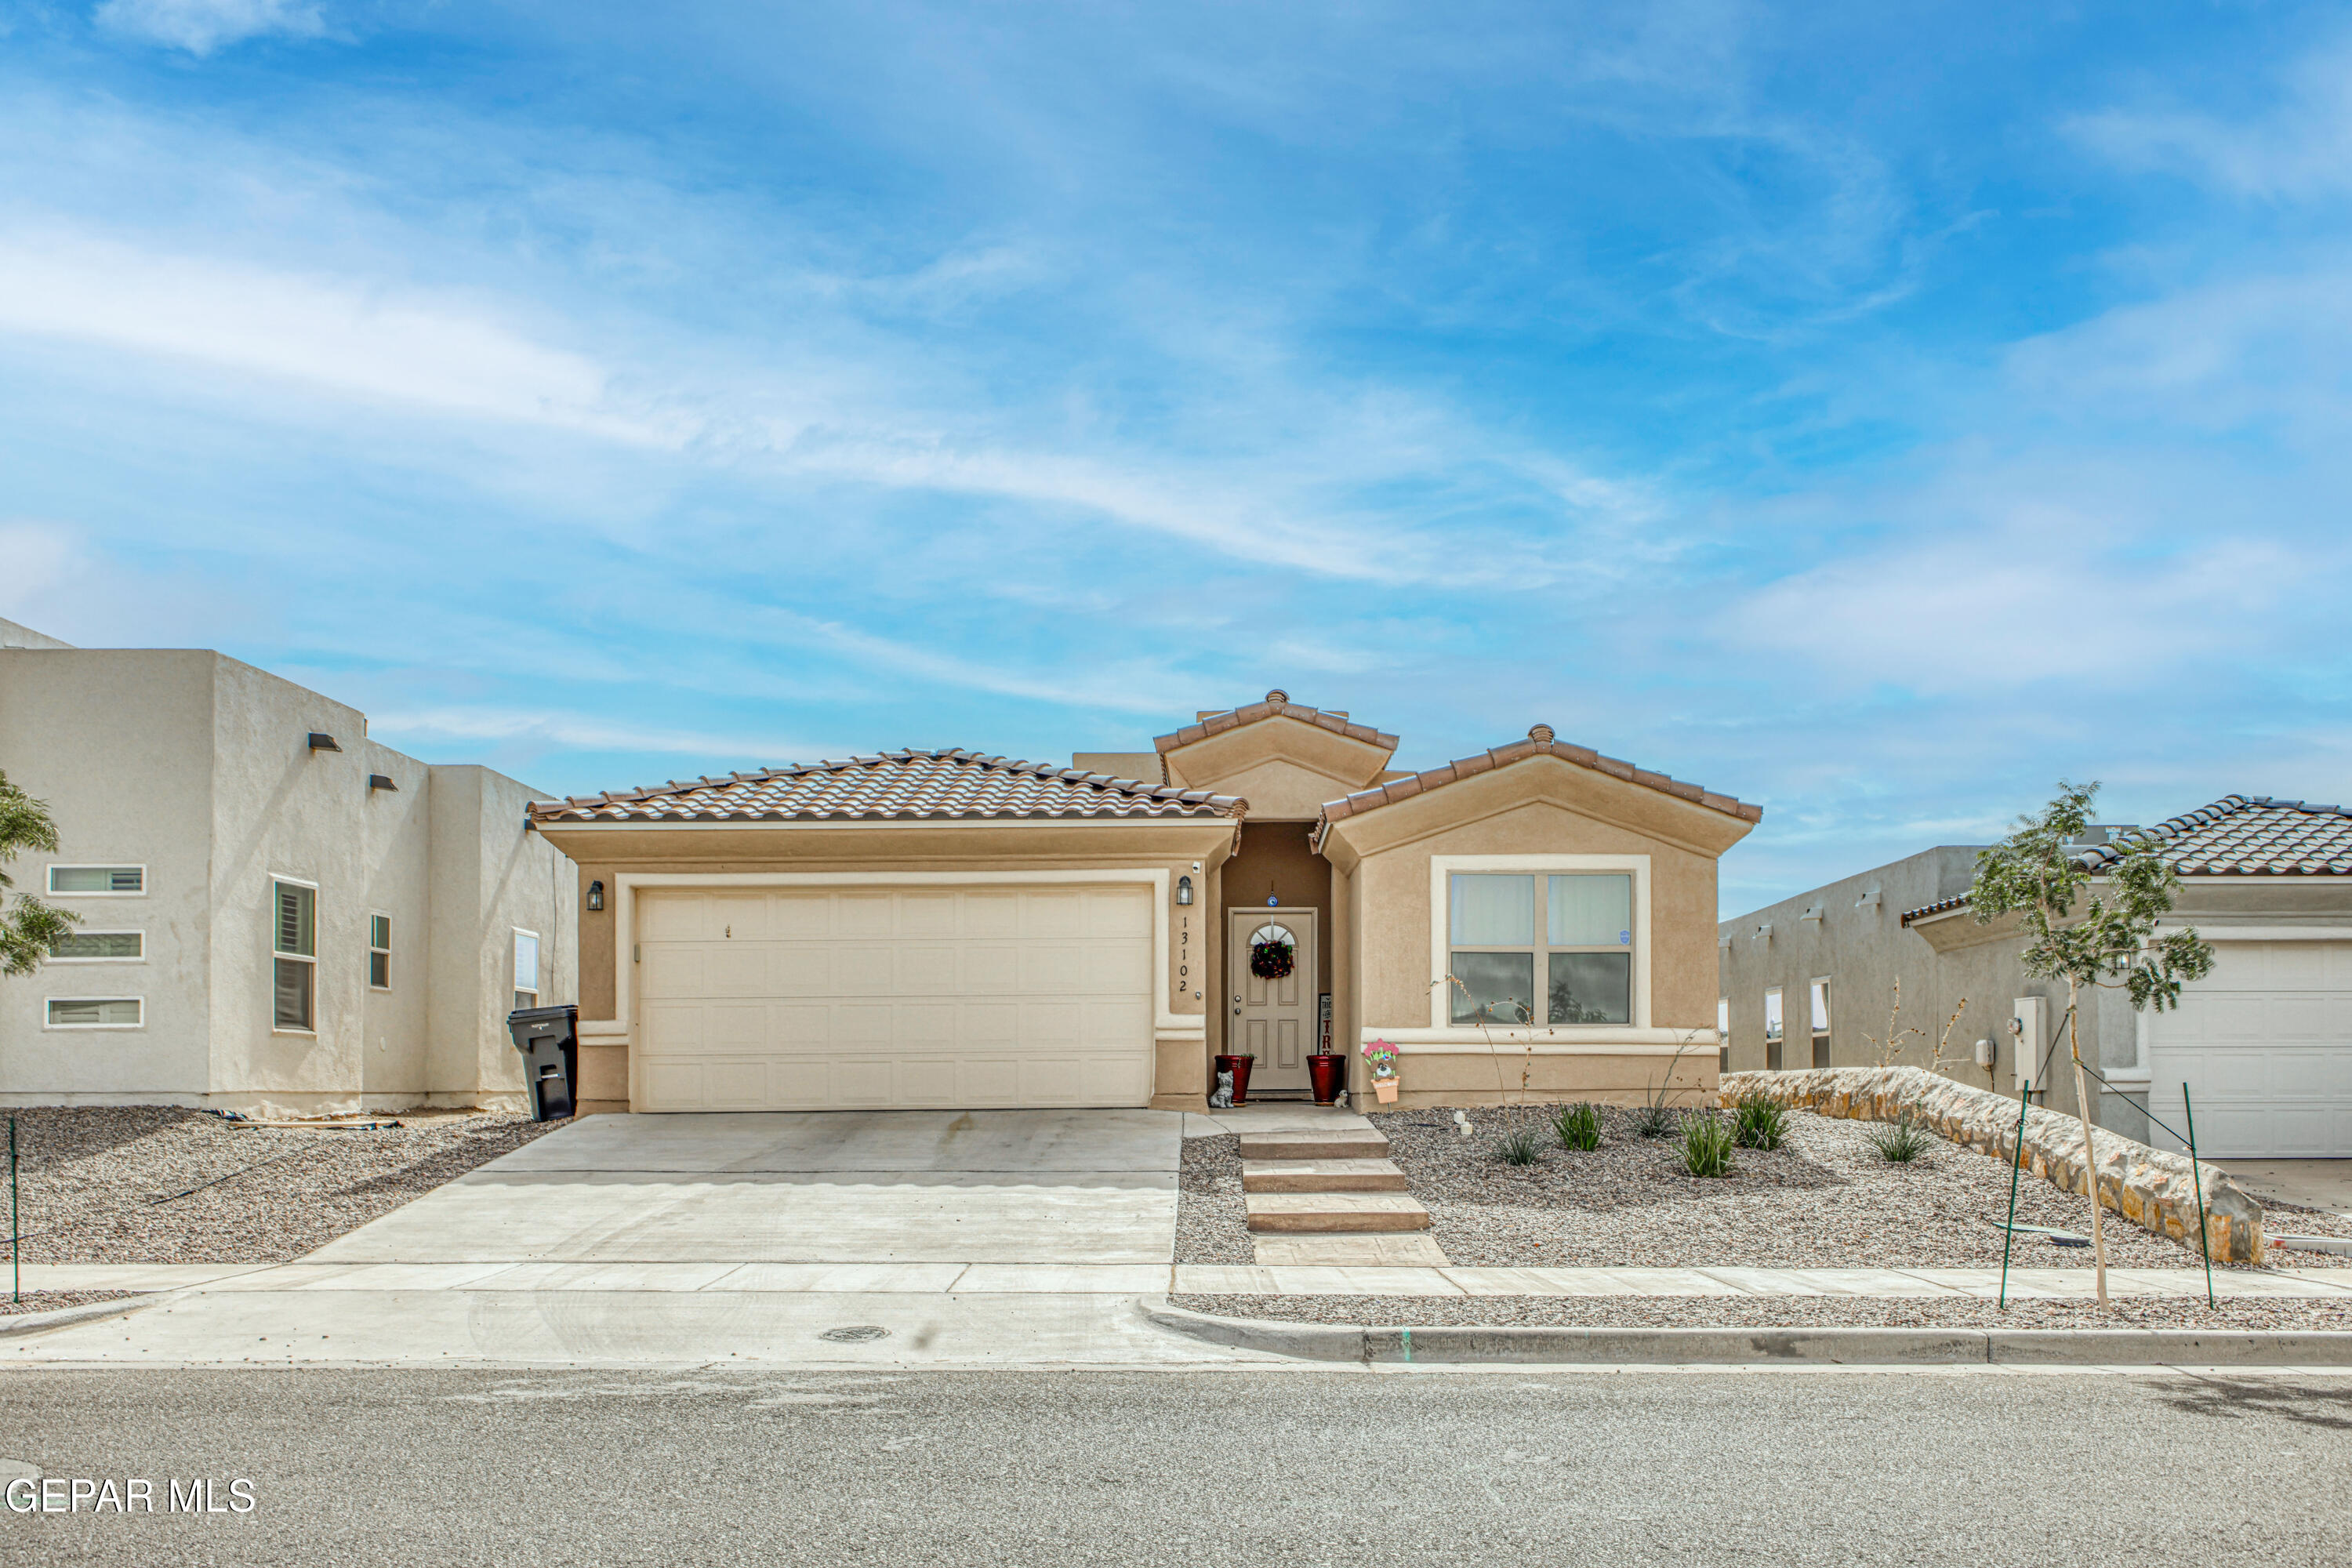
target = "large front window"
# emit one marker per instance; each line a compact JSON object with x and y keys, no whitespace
{"x":1529,"y":948}
{"x":294,"y":956}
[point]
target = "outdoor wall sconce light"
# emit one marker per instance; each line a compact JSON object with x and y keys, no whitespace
{"x":381,"y":781}
{"x":322,"y":742}
{"x":595,"y":898}
{"x":1183,"y":891}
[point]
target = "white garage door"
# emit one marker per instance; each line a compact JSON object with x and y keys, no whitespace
{"x":2264,"y":1044}
{"x":821,"y":999}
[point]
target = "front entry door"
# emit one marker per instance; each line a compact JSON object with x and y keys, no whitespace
{"x":1274,"y":1020}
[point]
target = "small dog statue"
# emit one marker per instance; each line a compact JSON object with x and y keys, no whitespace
{"x":1223,"y":1098}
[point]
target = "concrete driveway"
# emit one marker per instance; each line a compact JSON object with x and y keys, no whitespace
{"x":1003,"y":1187}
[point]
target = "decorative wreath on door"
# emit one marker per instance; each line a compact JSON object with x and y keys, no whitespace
{"x":1273,"y":954}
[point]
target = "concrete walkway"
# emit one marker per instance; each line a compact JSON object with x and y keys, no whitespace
{"x":970,"y":1279}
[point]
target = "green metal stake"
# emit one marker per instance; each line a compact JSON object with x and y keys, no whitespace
{"x":15,"y":1268}
{"x":2204,"y":1241}
{"x":2009,"y":1234}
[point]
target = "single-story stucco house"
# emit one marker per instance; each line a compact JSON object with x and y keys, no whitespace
{"x":2263,"y":1043}
{"x":946,"y":929}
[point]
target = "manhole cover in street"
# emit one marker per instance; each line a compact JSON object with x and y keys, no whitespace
{"x":856,"y":1334}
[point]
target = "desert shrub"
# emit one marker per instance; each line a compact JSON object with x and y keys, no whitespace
{"x":1578,"y":1127}
{"x":1655,"y":1120}
{"x":1518,"y":1146}
{"x":1899,"y":1142}
{"x":1759,"y":1122}
{"x":1706,"y":1146}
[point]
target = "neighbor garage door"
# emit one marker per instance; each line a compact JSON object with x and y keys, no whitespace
{"x":2264,"y":1044}
{"x":775,"y":999}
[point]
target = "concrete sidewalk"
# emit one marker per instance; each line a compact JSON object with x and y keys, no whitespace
{"x":982,"y":1279}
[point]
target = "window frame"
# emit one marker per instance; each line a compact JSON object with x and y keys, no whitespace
{"x":1819,"y":1001}
{"x":514,"y":967}
{"x":373,"y":950}
{"x":1775,"y":1029}
{"x":1443,"y":869}
{"x":279,"y":955}
{"x":123,"y":930}
{"x":48,"y":1022}
{"x":50,"y":878}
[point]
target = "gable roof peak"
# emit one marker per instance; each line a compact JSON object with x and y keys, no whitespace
{"x":1276,"y":705}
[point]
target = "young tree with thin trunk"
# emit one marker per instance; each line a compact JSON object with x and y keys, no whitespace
{"x":28,"y":928}
{"x":2038,"y":874}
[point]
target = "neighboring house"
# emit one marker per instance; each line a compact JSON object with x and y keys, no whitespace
{"x":2264,"y":1042}
{"x":277,"y":913}
{"x":951,"y":929}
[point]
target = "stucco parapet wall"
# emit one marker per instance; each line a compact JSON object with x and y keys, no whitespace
{"x":1540,"y":742}
{"x":2154,"y":1190}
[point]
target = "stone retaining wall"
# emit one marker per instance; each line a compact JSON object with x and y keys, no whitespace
{"x":2149,"y":1187}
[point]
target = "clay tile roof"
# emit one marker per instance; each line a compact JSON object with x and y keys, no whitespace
{"x":2244,"y":836}
{"x":1541,"y":742}
{"x":908,"y":786}
{"x":1278,"y":705}
{"x":2237,"y":835}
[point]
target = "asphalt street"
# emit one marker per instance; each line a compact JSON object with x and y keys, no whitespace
{"x":1037,"y":1468}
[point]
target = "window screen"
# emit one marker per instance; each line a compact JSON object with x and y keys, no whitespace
{"x":88,"y":944}
{"x":98,"y":879}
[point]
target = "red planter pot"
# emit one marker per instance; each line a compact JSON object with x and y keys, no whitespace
{"x":1240,"y":1067}
{"x":1328,"y":1072}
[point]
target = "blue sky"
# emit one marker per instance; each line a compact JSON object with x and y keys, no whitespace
{"x":1872,"y":412}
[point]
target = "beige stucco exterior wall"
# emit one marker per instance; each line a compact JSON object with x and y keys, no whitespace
{"x":1535,"y":808}
{"x":1172,"y":849}
{"x":119,"y":748}
{"x":198,"y":766}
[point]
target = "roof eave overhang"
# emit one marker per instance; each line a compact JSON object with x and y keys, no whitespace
{"x":1586,"y":792}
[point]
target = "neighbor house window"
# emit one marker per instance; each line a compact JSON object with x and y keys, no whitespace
{"x":1772,"y":1028}
{"x":1821,"y":999}
{"x":1533,"y":949}
{"x":294,"y":938}
{"x":98,"y":879}
{"x":96,"y":1013}
{"x":99,"y":947}
{"x":1723,"y":1034}
{"x":526,"y":969}
{"x":380,"y":952}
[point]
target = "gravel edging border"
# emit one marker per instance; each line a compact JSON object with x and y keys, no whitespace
{"x":1455,"y":1344}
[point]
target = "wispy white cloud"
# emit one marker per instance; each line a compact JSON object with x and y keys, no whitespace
{"x":2300,"y":147}
{"x":200,"y":27}
{"x":544,"y":728}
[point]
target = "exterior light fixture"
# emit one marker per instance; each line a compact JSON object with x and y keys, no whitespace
{"x":381,"y":781}
{"x":322,"y":742}
{"x":1183,"y":891}
{"x":595,"y":898}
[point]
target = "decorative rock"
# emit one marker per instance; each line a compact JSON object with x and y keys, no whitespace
{"x":2152,"y":1189}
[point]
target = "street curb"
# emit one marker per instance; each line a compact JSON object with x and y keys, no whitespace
{"x":66,"y":1317}
{"x":1458,"y":1344}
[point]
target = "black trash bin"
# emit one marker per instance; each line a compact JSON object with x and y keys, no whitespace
{"x":549,"y":1039}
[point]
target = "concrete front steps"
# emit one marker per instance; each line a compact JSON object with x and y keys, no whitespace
{"x":1335,"y":1182}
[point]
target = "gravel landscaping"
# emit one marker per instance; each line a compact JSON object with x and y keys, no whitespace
{"x":1775,"y":1312}
{"x":1211,"y":1226}
{"x":165,"y":1185}
{"x":1824,"y":1199}
{"x":50,"y":1300}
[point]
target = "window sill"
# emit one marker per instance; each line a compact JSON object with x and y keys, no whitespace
{"x":91,"y":1028}
{"x":305,"y":1034}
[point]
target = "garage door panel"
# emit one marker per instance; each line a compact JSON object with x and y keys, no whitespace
{"x":808,"y":998}
{"x":2265,"y":1045}
{"x":989,"y":1080}
{"x":989,"y":1023}
{"x":675,"y":972}
{"x":925,"y":969}
{"x":989,"y":969}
